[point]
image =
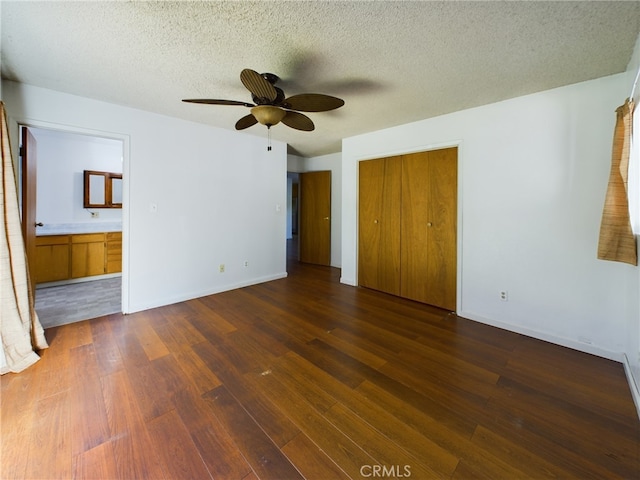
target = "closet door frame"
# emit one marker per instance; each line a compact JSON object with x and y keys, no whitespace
{"x":453,"y":243}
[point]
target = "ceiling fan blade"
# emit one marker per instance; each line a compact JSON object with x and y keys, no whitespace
{"x":298,"y":121}
{"x":256,"y":84}
{"x":210,"y":101}
{"x":312,"y":102}
{"x":246,"y":122}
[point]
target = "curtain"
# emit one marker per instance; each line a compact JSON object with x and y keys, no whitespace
{"x":617,"y":241}
{"x":20,"y":330}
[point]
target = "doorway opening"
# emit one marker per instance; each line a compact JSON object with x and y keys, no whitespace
{"x":293,"y":180}
{"x":75,"y":253}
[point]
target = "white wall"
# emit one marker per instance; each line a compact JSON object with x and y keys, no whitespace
{"x":217,"y":194}
{"x":532,"y":177}
{"x":333,"y":163}
{"x":62,"y":158}
{"x":632,"y":345}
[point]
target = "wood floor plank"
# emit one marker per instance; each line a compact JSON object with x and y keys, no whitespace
{"x":149,"y":340}
{"x":386,"y":453}
{"x":607,"y":399}
{"x":311,"y":460}
{"x":96,"y":463}
{"x":349,"y":456}
{"x":421,"y":447}
{"x":263,"y":455}
{"x":220,"y":453}
{"x":513,"y":454}
{"x":606,"y":445}
{"x":215,"y":322}
{"x":272,"y":420}
{"x":17,"y":420}
{"x":174,"y":446}
{"x":510,"y":428}
{"x":429,"y":425}
{"x":49,"y":454}
{"x":353,"y":349}
{"x":337,"y":364}
{"x":55,"y":368}
{"x":459,"y":399}
{"x":216,"y":447}
{"x":132,"y":447}
{"x":178,"y":315}
{"x":107,"y":351}
{"x":302,"y":377}
{"x":89,"y":418}
{"x":188,"y":360}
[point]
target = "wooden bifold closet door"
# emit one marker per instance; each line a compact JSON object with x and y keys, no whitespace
{"x":407,"y":226}
{"x":379,"y":225}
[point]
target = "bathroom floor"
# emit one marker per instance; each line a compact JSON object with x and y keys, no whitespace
{"x":74,"y":302}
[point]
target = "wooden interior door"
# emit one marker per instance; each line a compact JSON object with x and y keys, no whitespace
{"x":379,"y":224}
{"x":315,"y":217}
{"x":29,"y":188}
{"x":429,"y":224}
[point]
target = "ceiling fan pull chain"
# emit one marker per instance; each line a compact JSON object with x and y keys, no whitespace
{"x":268,"y":138}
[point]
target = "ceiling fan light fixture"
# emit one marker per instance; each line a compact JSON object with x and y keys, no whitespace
{"x":268,"y":114}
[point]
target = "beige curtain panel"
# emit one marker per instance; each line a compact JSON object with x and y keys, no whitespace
{"x":617,"y":241}
{"x":21,"y":331}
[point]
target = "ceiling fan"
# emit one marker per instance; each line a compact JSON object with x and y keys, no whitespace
{"x":270,"y":106}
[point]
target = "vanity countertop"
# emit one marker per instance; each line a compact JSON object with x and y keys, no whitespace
{"x":71,"y":228}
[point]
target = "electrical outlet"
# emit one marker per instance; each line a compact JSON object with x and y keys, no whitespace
{"x":95,"y":214}
{"x":504,"y":295}
{"x":222,"y":268}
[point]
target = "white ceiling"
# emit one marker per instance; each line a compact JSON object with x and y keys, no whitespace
{"x":392,"y":62}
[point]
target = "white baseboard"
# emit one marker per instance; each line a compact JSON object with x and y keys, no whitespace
{"x":633,"y":382}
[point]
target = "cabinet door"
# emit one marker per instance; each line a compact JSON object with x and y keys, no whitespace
{"x":379,"y":224}
{"x":51,"y":258}
{"x":429,"y":218}
{"x":114,"y":252}
{"x":87,"y":255}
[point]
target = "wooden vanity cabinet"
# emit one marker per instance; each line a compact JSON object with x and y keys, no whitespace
{"x":87,"y":255}
{"x":64,"y":257}
{"x":52,"y":258}
{"x":114,"y":252}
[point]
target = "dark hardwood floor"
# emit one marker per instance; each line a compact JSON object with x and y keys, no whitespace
{"x":307,"y":378}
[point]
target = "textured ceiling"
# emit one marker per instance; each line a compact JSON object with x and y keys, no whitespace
{"x":392,"y":62}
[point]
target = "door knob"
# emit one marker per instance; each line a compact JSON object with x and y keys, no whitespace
{"x":39,"y":224}
{"x":326,"y":218}
{"x":429,"y":224}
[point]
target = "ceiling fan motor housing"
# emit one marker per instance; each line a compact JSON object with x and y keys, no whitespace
{"x":270,"y":105}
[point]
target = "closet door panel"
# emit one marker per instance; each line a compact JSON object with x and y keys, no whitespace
{"x":414,"y":250}
{"x":379,"y":224}
{"x":442,"y":214}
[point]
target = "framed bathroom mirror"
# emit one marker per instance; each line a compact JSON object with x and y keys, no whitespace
{"x":102,"y":189}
